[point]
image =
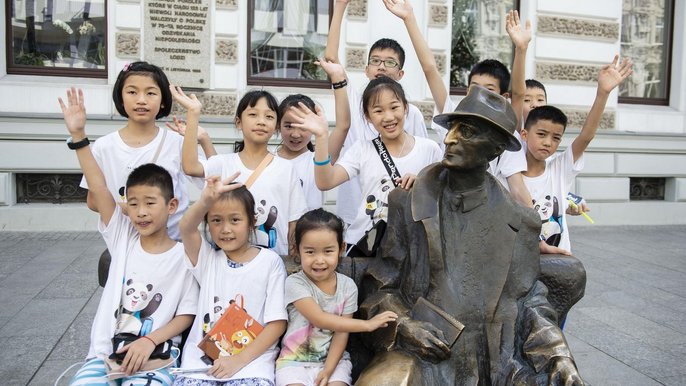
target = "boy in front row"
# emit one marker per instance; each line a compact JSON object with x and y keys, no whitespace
{"x":150,"y":296}
{"x":549,"y":174}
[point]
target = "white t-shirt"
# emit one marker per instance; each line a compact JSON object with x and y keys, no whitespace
{"x":304,"y":169}
{"x":260,"y":281}
{"x":503,"y":166}
{"x":151,"y":288}
{"x":349,"y":192}
{"x":363,"y":160}
{"x":549,"y":194}
{"x":279,"y":197}
{"x":117,"y":159}
{"x":304,"y":343}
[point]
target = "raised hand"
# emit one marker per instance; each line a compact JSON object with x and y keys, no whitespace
{"x":402,"y":9}
{"x":179,"y":126}
{"x":611,"y":75}
{"x":335,"y":71}
{"x":74,"y":113}
{"x":189,"y":102}
{"x":520,"y":35}
{"x":306,"y":119}
{"x":216,"y":187}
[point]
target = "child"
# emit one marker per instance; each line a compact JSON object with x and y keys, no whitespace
{"x":296,"y":145}
{"x":151,"y":296}
{"x":386,"y":58}
{"x":385,"y":107}
{"x":550,"y":175}
{"x":234,"y":267}
{"x":490,"y":74}
{"x":279,"y":198}
{"x":141,"y":94}
{"x":321,"y":303}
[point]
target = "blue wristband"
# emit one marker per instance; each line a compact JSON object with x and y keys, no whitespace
{"x":322,"y":163}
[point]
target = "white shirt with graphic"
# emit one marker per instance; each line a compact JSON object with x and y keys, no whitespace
{"x":279,"y":197}
{"x":304,"y":343}
{"x":144,"y":291}
{"x":363,"y":160}
{"x":549,"y":194}
{"x":117,"y":159}
{"x":349,"y":193}
{"x":260,"y":282}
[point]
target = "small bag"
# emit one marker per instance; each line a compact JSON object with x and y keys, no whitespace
{"x":231,"y":333}
{"x":368,"y":245}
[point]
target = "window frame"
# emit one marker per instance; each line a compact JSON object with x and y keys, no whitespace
{"x":668,"y":44}
{"x":453,"y":90}
{"x":18,"y":69}
{"x":278,"y":82}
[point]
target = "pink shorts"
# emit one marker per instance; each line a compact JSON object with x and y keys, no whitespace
{"x":307,"y":373}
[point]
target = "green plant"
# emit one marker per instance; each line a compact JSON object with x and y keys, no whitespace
{"x":30,"y":59}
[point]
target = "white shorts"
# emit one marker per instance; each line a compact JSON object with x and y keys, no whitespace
{"x":307,"y":373}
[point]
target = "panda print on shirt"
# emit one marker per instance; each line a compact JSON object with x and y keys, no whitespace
{"x":552,"y":225}
{"x":138,"y":304}
{"x":376,"y":206}
{"x":265,"y":219}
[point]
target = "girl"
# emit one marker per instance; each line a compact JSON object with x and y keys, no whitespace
{"x":279,"y":198}
{"x":392,"y":159}
{"x":234,"y":267}
{"x":141,"y":94}
{"x":320,"y":307}
{"x":296,"y":145}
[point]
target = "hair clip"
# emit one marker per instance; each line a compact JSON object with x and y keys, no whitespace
{"x":126,"y":67}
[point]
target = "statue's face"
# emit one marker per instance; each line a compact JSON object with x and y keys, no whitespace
{"x":469,"y":145}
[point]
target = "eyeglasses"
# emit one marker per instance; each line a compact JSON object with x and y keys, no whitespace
{"x":388,"y":63}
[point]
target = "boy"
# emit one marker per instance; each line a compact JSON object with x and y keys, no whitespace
{"x":490,"y":74}
{"x":549,"y":175}
{"x":386,"y":58}
{"x":150,"y":296}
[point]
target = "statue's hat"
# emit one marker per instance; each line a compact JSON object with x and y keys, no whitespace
{"x":487,"y":106}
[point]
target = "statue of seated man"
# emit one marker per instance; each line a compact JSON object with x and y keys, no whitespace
{"x":457,"y":250}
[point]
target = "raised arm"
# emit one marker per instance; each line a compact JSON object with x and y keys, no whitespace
{"x":610,"y":76}
{"x":189,"y":151}
{"x":521,"y":36}
{"x":74,"y":112}
{"x":340,"y":132}
{"x":326,"y":176}
{"x":326,"y":321}
{"x":204,"y":139}
{"x":188,"y":226}
{"x":438,"y":89}
{"x":334,"y":36}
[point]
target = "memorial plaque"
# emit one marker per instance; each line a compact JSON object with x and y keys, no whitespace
{"x":177,"y":38}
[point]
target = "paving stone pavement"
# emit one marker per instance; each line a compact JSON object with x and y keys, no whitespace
{"x":629,"y":329}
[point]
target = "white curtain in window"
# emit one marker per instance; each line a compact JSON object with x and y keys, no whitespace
{"x":266,"y":21}
{"x":296,"y":14}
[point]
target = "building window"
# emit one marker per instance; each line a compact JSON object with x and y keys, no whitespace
{"x":285,"y":38}
{"x":478,"y":33}
{"x":647,"y":41}
{"x":53,"y":188}
{"x":57,"y":37}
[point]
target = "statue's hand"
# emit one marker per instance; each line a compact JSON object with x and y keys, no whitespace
{"x":423,"y":340}
{"x":564,"y":373}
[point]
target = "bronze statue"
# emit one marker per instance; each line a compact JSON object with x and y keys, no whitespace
{"x":458,"y":250}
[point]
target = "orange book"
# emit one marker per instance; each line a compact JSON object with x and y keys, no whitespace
{"x":234,"y":330}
